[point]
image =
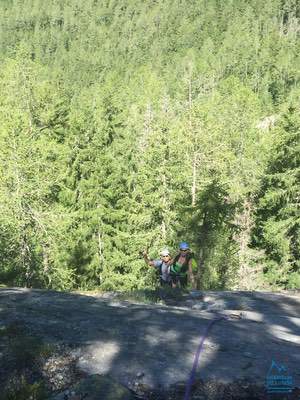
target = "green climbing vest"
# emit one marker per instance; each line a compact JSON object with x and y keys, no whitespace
{"x":182,"y":269}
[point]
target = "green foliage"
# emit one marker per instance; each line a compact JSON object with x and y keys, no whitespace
{"x":131,"y":125}
{"x":31,"y":170}
{"x":150,"y":296}
{"x":21,"y":389}
{"x":210,"y":228}
{"x":24,"y":352}
{"x":277,"y":217}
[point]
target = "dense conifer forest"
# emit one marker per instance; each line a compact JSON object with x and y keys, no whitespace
{"x":127,"y":125}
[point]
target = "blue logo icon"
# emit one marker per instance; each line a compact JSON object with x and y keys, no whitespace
{"x":278,"y":380}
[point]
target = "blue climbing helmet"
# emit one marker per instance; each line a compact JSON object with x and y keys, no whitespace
{"x":183,"y":246}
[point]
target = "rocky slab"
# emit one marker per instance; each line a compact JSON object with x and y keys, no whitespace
{"x":155,"y":344}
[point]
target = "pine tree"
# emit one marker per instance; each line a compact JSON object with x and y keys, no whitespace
{"x":31,"y":167}
{"x":277,"y":215}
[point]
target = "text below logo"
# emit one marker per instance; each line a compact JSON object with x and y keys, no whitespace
{"x":278,"y":380}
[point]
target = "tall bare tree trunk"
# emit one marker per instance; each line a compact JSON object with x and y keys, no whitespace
{"x":25,"y":260}
{"x":247,"y":274}
{"x":191,"y":133}
{"x":46,"y":265}
{"x":194,"y":188}
{"x":100,"y":252}
{"x":164,"y":199}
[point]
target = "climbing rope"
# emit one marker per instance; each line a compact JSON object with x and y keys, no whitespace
{"x":197,"y":356}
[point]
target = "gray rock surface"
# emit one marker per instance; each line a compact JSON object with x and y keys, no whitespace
{"x":156,"y":344}
{"x":96,"y":387}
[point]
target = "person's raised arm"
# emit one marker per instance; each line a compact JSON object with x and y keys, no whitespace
{"x":147,"y":260}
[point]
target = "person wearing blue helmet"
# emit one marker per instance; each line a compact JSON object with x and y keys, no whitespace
{"x":182,"y":267}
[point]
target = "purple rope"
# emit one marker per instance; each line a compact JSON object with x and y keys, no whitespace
{"x":196,"y":359}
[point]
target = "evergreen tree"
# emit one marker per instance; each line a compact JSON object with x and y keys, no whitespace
{"x":118,"y":117}
{"x":277,"y":215}
{"x":33,"y":124}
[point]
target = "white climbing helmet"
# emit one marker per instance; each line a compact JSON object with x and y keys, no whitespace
{"x":165,"y":252}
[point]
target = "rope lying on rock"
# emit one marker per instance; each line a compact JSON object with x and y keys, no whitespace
{"x":197,"y":355}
